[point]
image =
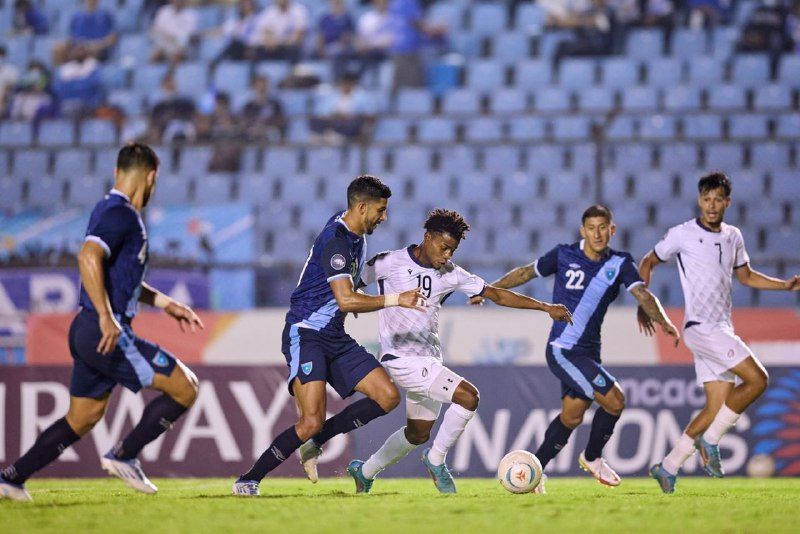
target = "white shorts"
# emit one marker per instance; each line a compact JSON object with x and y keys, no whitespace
{"x":428,"y":384}
{"x":716,"y":349}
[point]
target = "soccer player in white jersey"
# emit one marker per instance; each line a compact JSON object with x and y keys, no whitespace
{"x":412,"y":353}
{"x":708,"y":252}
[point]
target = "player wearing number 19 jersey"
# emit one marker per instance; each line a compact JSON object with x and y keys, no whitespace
{"x":588,"y":277}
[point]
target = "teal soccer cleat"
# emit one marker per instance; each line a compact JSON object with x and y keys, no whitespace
{"x":363,"y":484}
{"x":440,"y":474}
{"x":709,"y":454}
{"x":664,"y":479}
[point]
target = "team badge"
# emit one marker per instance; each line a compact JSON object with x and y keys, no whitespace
{"x":599,"y":381}
{"x":610,"y":273}
{"x":338,"y":262}
{"x":306,"y":367}
{"x":160,"y":359}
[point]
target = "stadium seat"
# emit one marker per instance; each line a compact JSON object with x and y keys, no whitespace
{"x":191,"y":79}
{"x":639,"y":98}
{"x":391,"y":129}
{"x":113,"y":77}
{"x":723,"y":41}
{"x":256,"y":187}
{"x":688,"y":43}
{"x":431,"y":186}
{"x":475,"y":188}
{"x":551,"y":40}
{"x":645,"y":44}
{"x":526,"y":128}
{"x":728,"y":96}
{"x":18,"y":48}
{"x":483,"y":129}
{"x":44,"y":191}
{"x":789,"y":70}
{"x":659,"y":127}
{"x":769,"y":156}
{"x":678,"y":157}
{"x":43,"y":49}
{"x":457,"y":160}
{"x":653,"y":186}
{"x":488,"y":19}
{"x":461,"y":101}
{"x":596,"y":99}
{"x":748,"y":126}
{"x":785,"y":185}
{"x":31,"y":163}
{"x":213,"y":188}
{"x":576,"y":74}
{"x":501,"y":160}
{"x":194,"y":161}
{"x":11,"y":199}
{"x":211,"y":46}
{"x":280,"y":162}
{"x":507,"y":100}
{"x":448,"y":13}
{"x":275,"y":71}
{"x":750,"y":70}
{"x":147,"y":77}
{"x":670,"y":213}
{"x":567,"y":187}
{"x":576,"y":127}
{"x":323,"y":161}
{"x":412,"y":160}
{"x":544,"y":158}
{"x":72,"y":163}
{"x":629,"y":215}
{"x":298,"y":131}
{"x":485,"y":75}
{"x":518,"y":187}
{"x":94,"y":132}
{"x":509,"y":48}
{"x":295,"y":102}
{"x":56,"y":132}
{"x":681,"y":98}
{"x":772,"y":97}
{"x":85,"y":191}
{"x":532,"y":74}
{"x":788,"y":126}
{"x":721,"y":155}
{"x":619,"y":72}
{"x":232,"y":77}
{"x":762,"y":213}
{"x":582,"y":157}
{"x":632,"y":157}
{"x":615,"y":185}
{"x":133,"y":49}
{"x":128,"y":100}
{"x":289,"y":245}
{"x":703,"y":126}
{"x":705,"y":71}
{"x":747,"y":185}
{"x":530,"y":18}
{"x":621,"y":127}
{"x":411,"y":101}
{"x":551,"y":99}
{"x":663,"y":72}
{"x":300,"y":189}
{"x":436,"y":130}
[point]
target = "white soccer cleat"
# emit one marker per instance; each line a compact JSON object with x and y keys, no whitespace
{"x":15,"y":492}
{"x":246,"y":488}
{"x":600,"y":470}
{"x":540,"y":489}
{"x":130,"y":471}
{"x":309,"y":457}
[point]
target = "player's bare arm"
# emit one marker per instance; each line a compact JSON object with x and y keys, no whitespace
{"x":90,"y":265}
{"x":751,"y":278}
{"x":511,"y":299}
{"x":352,"y":301}
{"x":646,"y":267}
{"x":513,"y":278}
{"x":182,"y":313}
{"x":655,"y":312}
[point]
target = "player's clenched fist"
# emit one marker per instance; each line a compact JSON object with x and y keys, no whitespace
{"x":412,"y":299}
{"x":559,"y":312}
{"x":111,"y":330}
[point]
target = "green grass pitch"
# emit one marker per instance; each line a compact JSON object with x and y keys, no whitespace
{"x":406,"y":506}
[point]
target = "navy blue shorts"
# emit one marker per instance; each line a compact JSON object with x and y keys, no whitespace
{"x":333,"y":358}
{"x":580,"y":374}
{"x":133,"y":363}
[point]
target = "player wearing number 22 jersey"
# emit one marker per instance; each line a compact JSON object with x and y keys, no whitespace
{"x":412,"y":353}
{"x":588,"y":277}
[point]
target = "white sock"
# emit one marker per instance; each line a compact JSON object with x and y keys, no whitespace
{"x":453,"y":424}
{"x":395,"y":448}
{"x":682,"y":451}
{"x":722,"y":423}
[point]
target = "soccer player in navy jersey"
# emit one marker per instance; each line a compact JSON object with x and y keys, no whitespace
{"x":107,"y":352}
{"x":318,"y":351}
{"x":588,"y":278}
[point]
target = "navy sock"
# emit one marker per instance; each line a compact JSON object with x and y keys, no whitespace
{"x":157,"y":418}
{"x":284,"y":445}
{"x":555,"y":438}
{"x":602,"y":428}
{"x":48,"y":446}
{"x":355,"y":415}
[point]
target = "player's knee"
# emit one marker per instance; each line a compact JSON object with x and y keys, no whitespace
{"x":388,"y":397}
{"x":760,"y":381}
{"x":417,"y":436}
{"x":186,"y":390}
{"x":571,"y":420}
{"x":471,"y":400}
{"x":83,"y":423}
{"x":309,"y":426}
{"x":615,"y":404}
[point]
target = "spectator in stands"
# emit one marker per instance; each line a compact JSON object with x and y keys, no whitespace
{"x":9,"y":76}
{"x":28,"y":19}
{"x":282,"y":29}
{"x":793,"y":25}
{"x":591,"y":22}
{"x":33,"y":98}
{"x":409,"y":35}
{"x":767,"y":30}
{"x":172,"y":116}
{"x":659,"y":13}
{"x":241,"y":32}
{"x":334,"y":39}
{"x":374,"y":36}
{"x":93,"y":28}
{"x":173,"y":31}
{"x":77,"y":83}
{"x":704,"y":13}
{"x":224,"y":128}
{"x":342,"y":113}
{"x":263,"y":114}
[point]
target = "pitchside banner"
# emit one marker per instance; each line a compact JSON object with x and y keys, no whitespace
{"x":240,"y":409}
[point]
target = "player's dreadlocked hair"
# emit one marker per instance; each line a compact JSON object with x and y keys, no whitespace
{"x":714,"y":180}
{"x":442,"y":220}
{"x":366,"y":187}
{"x":137,"y":155}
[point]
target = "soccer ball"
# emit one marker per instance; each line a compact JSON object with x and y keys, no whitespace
{"x":761,"y":466}
{"x":519,"y":471}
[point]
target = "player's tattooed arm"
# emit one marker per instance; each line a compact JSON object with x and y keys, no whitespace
{"x":512,"y":299}
{"x":178,"y":311}
{"x":515,"y":277}
{"x":751,"y":278}
{"x":651,"y":307}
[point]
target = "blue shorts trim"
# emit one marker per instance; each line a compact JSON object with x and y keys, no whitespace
{"x":581,"y":374}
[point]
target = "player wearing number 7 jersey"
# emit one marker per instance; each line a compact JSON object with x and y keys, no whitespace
{"x":412,"y":353}
{"x":588,"y":276}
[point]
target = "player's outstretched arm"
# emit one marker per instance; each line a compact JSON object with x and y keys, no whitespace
{"x":90,"y":265}
{"x":511,"y":299}
{"x":646,"y":266}
{"x":513,"y":278}
{"x":752,"y":278}
{"x":177,"y":310}
{"x":651,"y":306}
{"x":352,"y":301}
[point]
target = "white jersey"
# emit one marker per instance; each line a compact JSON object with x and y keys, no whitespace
{"x":405,"y":332}
{"x":706,"y":261}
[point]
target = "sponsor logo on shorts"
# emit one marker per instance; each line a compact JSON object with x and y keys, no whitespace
{"x":306,"y":367}
{"x":599,"y":381}
{"x":424,"y":372}
{"x":731,"y":354}
{"x":160,"y":359}
{"x":338,"y":262}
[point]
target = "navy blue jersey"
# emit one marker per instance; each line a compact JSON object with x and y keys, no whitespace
{"x":117,"y":227}
{"x":586,"y":287}
{"x":337,"y":253}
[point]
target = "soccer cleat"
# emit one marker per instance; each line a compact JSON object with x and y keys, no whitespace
{"x":309,"y":453}
{"x":130,"y":471}
{"x":664,"y":479}
{"x":246,"y":488}
{"x":440,"y":474}
{"x":709,"y":454}
{"x":540,"y":489}
{"x":600,"y":470}
{"x":363,"y":484}
{"x":15,"y":492}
